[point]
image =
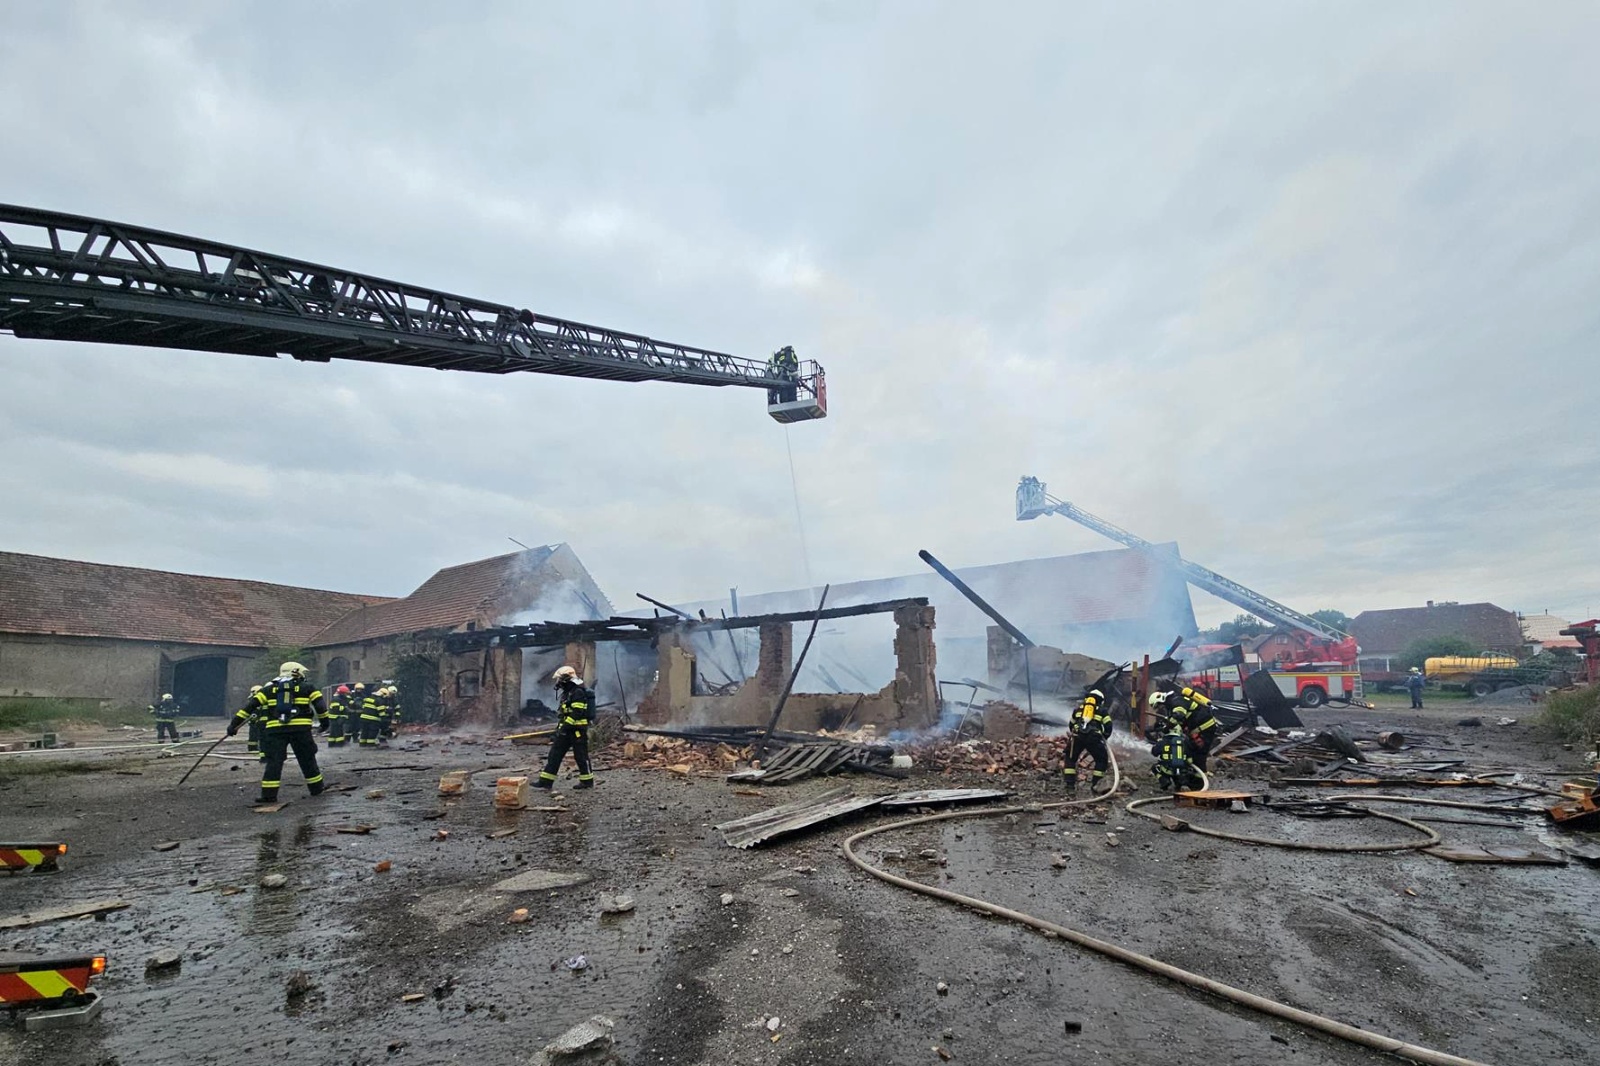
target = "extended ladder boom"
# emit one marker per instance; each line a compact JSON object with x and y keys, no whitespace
{"x":1033,"y":501}
{"x":66,"y":277}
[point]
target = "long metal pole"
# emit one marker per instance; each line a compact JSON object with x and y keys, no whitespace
{"x":200,"y":760}
{"x":977,"y":601}
{"x":761,"y":745}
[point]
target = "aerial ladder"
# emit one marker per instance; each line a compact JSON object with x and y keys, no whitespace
{"x":1319,"y":645}
{"x":68,"y":277}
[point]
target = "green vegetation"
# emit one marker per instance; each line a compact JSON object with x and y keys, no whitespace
{"x":1242,"y":628}
{"x":1573,"y":716}
{"x":267,"y":663}
{"x":1330,"y":617}
{"x":1421,"y":650}
{"x":38,"y":714}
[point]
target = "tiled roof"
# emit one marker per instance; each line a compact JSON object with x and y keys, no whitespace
{"x":1546,"y":629}
{"x":449,"y":599}
{"x":1488,"y":627}
{"x":70,"y":598}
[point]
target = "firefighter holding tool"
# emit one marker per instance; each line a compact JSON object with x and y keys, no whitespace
{"x":288,"y":707}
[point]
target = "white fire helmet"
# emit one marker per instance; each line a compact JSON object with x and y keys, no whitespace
{"x":566,"y":673}
{"x":1158,"y":699}
{"x":291,"y":670}
{"x":166,"y":695}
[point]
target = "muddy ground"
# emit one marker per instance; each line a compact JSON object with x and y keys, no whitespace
{"x":1497,"y":963}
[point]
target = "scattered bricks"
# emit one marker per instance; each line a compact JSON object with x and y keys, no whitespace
{"x":1059,"y":861}
{"x":274,"y":881}
{"x":454,"y":783}
{"x":727,"y":898}
{"x":1176,"y":825}
{"x":383,"y":867}
{"x":511,"y":793}
{"x":377,"y":794}
{"x":518,"y":916}
{"x":1004,"y":721}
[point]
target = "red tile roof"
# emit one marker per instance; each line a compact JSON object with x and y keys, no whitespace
{"x":71,"y":598}
{"x":1388,"y":632}
{"x":449,"y":599}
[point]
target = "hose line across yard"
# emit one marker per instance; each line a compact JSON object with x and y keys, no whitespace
{"x":1306,"y":1019}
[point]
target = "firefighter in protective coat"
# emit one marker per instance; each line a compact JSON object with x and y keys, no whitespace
{"x":1191,"y":711}
{"x":339,"y":717}
{"x":1090,"y":726}
{"x":288,"y":707}
{"x":576,"y":707}
{"x":166,"y":711}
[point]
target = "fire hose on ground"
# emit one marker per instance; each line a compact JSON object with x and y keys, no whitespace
{"x":1315,"y":1022}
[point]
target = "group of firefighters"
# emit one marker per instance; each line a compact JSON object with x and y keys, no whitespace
{"x":284,"y":715}
{"x":1181,"y":739}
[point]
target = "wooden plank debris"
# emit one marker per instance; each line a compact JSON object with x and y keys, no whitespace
{"x":59,"y":914}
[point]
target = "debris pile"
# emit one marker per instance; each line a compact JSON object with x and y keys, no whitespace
{"x":732,"y":750}
{"x":1024,"y":755}
{"x":678,"y":755}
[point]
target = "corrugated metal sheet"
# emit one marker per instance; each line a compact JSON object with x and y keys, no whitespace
{"x":929,"y":797}
{"x":793,"y":817}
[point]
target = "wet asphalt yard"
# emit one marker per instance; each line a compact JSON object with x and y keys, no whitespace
{"x":1497,"y":963}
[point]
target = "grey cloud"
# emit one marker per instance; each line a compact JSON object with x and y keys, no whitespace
{"x":1287,"y":283}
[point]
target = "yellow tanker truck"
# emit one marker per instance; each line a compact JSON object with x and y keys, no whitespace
{"x":1478,"y":674}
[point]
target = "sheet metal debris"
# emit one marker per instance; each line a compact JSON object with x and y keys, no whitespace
{"x":932,"y":796}
{"x":792,"y":817}
{"x":1494,"y":854}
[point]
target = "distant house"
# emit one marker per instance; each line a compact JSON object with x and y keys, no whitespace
{"x":124,"y":635}
{"x":1384,"y":635}
{"x":1272,"y":647}
{"x":1543,"y":631}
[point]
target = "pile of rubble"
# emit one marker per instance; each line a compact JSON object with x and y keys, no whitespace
{"x":678,"y":756}
{"x":1023,"y":755}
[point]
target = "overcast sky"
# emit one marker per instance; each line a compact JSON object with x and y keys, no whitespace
{"x":1309,"y":288}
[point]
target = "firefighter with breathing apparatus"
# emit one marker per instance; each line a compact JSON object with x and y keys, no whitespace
{"x":1090,"y":727}
{"x":574,"y":713}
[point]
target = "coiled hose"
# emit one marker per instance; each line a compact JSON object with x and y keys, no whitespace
{"x":1306,"y":1019}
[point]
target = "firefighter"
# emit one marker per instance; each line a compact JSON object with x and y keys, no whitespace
{"x":371,"y":706}
{"x":288,"y":706}
{"x":576,"y":703}
{"x":339,"y":717}
{"x":1190,"y":710}
{"x":1174,"y":768}
{"x":252,"y":737}
{"x":1090,"y":726}
{"x":391,"y":717}
{"x":166,"y":710}
{"x":784,"y":364}
{"x":1414,"y":683}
